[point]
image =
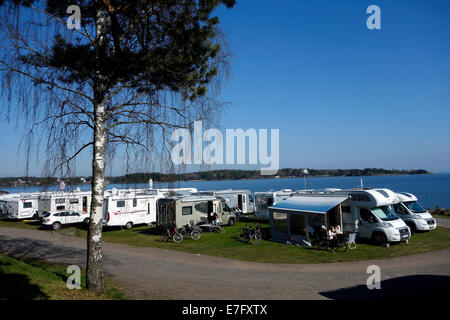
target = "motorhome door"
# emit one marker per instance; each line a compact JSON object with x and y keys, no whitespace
{"x":366,"y":222}
{"x":244,"y":203}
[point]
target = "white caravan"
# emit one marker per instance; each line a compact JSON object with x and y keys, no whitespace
{"x":78,"y":201}
{"x":264,"y":200}
{"x":239,"y":200}
{"x":127,"y":208}
{"x":22,"y":206}
{"x":369,"y":213}
{"x":414,"y":215}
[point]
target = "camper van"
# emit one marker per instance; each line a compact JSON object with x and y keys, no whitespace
{"x":127,"y":208}
{"x":415,"y":216}
{"x":78,"y":201}
{"x":23,"y":206}
{"x":179,"y":211}
{"x":4,"y":202}
{"x":263,"y":200}
{"x":368,"y":212}
{"x":239,"y":200}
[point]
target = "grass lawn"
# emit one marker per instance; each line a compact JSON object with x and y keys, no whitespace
{"x":26,"y":280}
{"x":226,"y":245}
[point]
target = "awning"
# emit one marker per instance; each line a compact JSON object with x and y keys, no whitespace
{"x":314,"y":204}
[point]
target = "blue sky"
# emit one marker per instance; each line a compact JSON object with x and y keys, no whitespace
{"x":343,"y":96}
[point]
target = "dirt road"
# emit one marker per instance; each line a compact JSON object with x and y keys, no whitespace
{"x":166,"y":274}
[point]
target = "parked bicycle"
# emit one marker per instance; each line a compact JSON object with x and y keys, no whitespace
{"x":192,"y":230}
{"x":172,"y":234}
{"x":212,"y":228}
{"x":250,"y":234}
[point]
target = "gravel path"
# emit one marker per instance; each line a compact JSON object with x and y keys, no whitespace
{"x":166,"y":274}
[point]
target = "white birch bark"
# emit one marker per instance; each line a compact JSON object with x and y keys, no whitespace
{"x":94,"y":268}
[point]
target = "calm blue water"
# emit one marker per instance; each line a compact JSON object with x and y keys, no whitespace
{"x":432,"y":189}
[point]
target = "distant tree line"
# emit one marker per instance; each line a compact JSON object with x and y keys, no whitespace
{"x":206,"y":175}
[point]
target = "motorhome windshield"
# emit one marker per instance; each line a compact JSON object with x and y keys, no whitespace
{"x":414,"y":207}
{"x":385,"y":213}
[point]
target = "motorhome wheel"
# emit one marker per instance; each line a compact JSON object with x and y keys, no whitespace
{"x":380,"y":238}
{"x":129,"y":225}
{"x":412,"y":227}
{"x":86,"y":221}
{"x":231,"y":222}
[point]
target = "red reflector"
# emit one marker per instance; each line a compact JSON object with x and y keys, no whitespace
{"x":48,"y":219}
{"x":108,"y":217}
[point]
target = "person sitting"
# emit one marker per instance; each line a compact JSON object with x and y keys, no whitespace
{"x":331,"y":233}
{"x":338,"y":230}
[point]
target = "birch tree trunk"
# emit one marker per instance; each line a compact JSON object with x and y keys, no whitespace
{"x":94,"y":268}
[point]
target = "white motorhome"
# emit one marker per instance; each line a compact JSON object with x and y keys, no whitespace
{"x":127,"y":208}
{"x":22,"y":206}
{"x":78,"y":201}
{"x":180,"y":211}
{"x":415,"y":216}
{"x":4,"y":202}
{"x":369,"y":213}
{"x":239,"y":200}
{"x":264,"y":200}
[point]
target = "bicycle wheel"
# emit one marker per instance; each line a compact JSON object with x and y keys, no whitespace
{"x":242,"y":234}
{"x":177,"y":237}
{"x":165,"y":236}
{"x":255,"y":239}
{"x":195,"y":235}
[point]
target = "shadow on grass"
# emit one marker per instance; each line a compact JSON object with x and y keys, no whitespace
{"x":16,"y":286}
{"x":416,"y":287}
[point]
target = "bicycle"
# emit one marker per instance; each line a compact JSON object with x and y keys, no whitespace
{"x":250,"y":234}
{"x":172,"y":234}
{"x":193,"y":231}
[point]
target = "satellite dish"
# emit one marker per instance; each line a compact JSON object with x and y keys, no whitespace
{"x":62,"y":185}
{"x":150,"y":183}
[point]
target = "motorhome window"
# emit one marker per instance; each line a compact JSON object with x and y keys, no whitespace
{"x":280,"y":222}
{"x":73,"y":201}
{"x":202,"y":207}
{"x":399,"y":209}
{"x":250,"y":198}
{"x":225,"y":207}
{"x":185,"y":211}
{"x":360,"y":197}
{"x":384,"y":193}
{"x":120,"y":203}
{"x":134,"y":202}
{"x":414,"y":207}
{"x":269,"y":202}
{"x":27,"y":204}
{"x":60,"y":200}
{"x":365,"y":214}
{"x":385,"y":213}
{"x":60,"y":207}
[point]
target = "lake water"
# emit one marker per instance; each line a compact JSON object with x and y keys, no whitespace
{"x":431,"y":189}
